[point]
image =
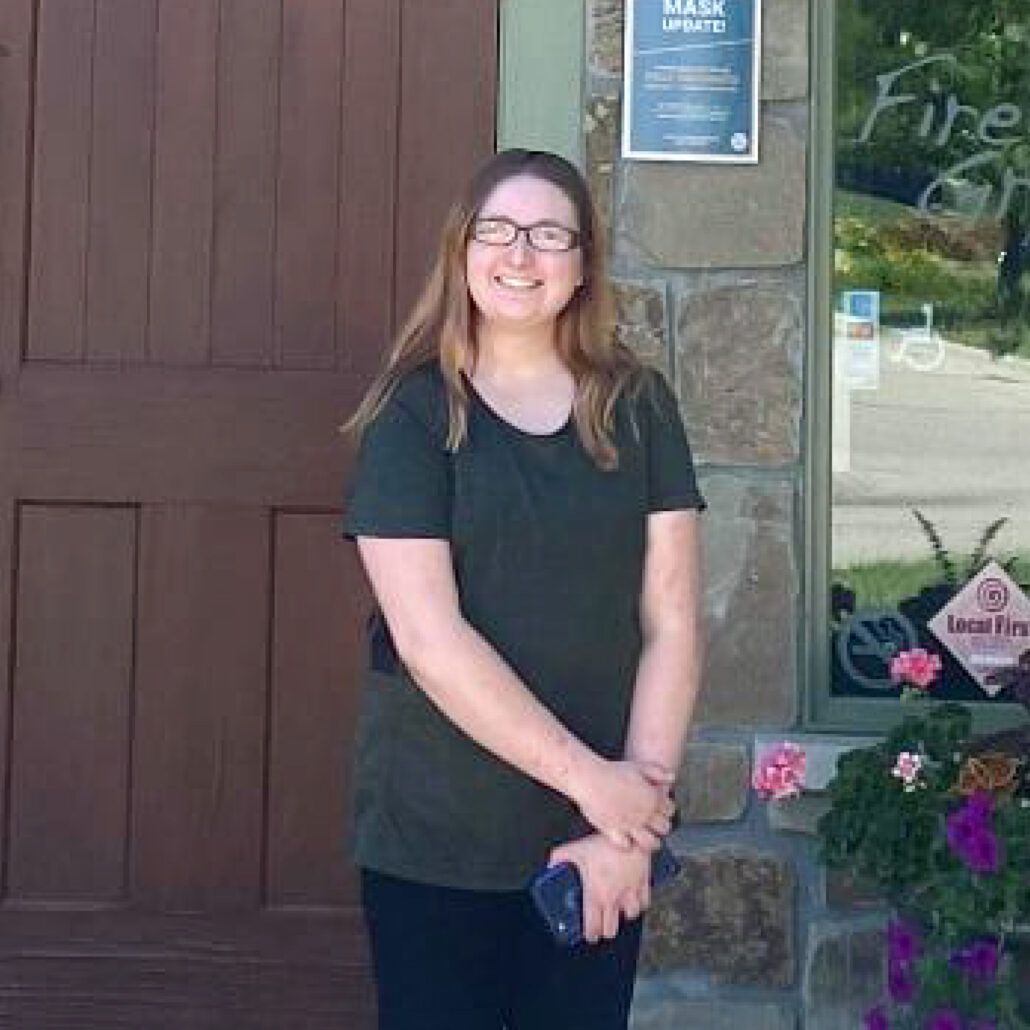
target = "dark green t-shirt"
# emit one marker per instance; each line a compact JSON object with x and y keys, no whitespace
{"x":548,"y":554}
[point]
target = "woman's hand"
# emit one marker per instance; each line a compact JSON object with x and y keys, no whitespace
{"x":616,"y":882}
{"x":628,"y":802}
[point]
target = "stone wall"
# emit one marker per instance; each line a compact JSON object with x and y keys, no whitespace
{"x":709,"y":268}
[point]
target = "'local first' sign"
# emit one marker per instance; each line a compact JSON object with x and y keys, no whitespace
{"x":986,"y":626}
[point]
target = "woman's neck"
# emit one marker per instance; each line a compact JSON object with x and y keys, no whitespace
{"x":516,"y":356}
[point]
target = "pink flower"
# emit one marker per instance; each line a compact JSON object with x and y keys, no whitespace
{"x":907,"y":769}
{"x":781,"y":772}
{"x":917,"y":668}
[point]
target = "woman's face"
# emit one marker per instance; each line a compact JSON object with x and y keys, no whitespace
{"x":518,"y":286}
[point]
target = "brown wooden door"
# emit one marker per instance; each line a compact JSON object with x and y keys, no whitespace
{"x":211,"y":212}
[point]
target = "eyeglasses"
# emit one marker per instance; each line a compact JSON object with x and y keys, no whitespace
{"x":547,"y":237}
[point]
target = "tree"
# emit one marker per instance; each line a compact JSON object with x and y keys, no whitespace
{"x":933,"y":110}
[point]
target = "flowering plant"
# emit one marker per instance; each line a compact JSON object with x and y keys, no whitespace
{"x":939,"y":821}
{"x":781,"y":773}
{"x":916,"y":671}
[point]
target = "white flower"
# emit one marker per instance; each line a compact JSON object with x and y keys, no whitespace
{"x":907,"y":769}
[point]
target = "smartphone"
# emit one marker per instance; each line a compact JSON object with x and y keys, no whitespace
{"x":557,"y":894}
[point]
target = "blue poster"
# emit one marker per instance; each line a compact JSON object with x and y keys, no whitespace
{"x":692,"y":73}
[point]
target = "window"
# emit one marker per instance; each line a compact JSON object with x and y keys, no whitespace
{"x":922,"y":313}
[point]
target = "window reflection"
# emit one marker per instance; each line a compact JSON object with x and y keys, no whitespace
{"x":931,"y":342}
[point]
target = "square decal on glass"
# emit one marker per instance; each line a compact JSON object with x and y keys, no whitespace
{"x":986,"y":626}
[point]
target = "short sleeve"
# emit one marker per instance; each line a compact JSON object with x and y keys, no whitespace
{"x":671,"y":481}
{"x":402,"y":478}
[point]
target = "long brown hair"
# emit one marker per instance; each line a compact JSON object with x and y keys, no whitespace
{"x":440,"y":328}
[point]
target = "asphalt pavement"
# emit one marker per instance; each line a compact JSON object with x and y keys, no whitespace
{"x":952,"y":441}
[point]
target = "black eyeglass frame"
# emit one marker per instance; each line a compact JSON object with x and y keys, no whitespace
{"x":575,"y":235}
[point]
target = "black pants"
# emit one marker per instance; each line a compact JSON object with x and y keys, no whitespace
{"x":449,"y":959}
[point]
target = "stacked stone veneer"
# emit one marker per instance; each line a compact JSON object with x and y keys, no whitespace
{"x":709,"y":268}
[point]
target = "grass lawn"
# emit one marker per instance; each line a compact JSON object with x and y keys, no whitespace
{"x":874,"y":210}
{"x":882,"y":584}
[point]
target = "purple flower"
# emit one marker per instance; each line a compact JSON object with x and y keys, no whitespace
{"x":902,"y":942}
{"x":944,"y":1019}
{"x":980,"y":805}
{"x":978,"y":960}
{"x":970,"y":835}
{"x":901,"y":983}
{"x":982,"y":853}
{"x":961,"y":831}
{"x":876,"y":1019}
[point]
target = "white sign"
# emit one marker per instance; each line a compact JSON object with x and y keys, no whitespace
{"x":856,"y":330}
{"x":986,"y":626}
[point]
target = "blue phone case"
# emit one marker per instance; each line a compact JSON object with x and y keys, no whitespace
{"x":558,"y":894}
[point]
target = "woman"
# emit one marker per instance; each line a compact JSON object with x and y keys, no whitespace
{"x":525,"y":508}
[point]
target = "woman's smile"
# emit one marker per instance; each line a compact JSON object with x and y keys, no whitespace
{"x":516,"y":281}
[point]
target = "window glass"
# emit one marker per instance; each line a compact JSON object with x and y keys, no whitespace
{"x":931,"y":340}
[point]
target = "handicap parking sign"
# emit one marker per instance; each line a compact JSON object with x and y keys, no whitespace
{"x":862,"y":304}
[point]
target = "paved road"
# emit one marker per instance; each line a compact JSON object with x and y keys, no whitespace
{"x":953,"y":442}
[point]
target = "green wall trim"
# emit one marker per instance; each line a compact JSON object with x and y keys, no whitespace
{"x":541,"y":76}
{"x":816,"y":555}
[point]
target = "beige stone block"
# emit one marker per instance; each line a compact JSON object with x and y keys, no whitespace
{"x":843,"y":975}
{"x":641,"y":321}
{"x":798,"y":815}
{"x":601,"y":146}
{"x":683,"y":1014}
{"x":750,"y":603}
{"x":729,"y":915}
{"x":604,"y":36}
{"x":685,"y":215}
{"x":713,"y":783}
{"x":739,"y":352}
{"x":784,"y":49}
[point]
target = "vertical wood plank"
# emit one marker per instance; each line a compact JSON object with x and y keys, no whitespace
{"x":245,"y":183}
{"x":72,"y":688}
{"x":16,"y":31}
{"x":184,"y":148}
{"x":445,"y":133}
{"x":118,"y":261}
{"x":318,"y":650}
{"x":15,"y":91}
{"x":60,"y":189}
{"x":368,"y":132}
{"x":308,"y":195}
{"x":200,"y":708}
{"x":7,"y":587}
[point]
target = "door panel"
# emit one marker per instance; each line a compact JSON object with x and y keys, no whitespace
{"x":200,"y":705}
{"x":73,"y":670}
{"x":122,"y":74}
{"x":185,"y":116}
{"x":212,"y":212}
{"x":317,"y":627}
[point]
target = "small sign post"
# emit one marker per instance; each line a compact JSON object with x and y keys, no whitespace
{"x":692,"y":72}
{"x":859,"y":323}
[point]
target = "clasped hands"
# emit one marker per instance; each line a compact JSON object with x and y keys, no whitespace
{"x":630,"y":806}
{"x":628,"y":801}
